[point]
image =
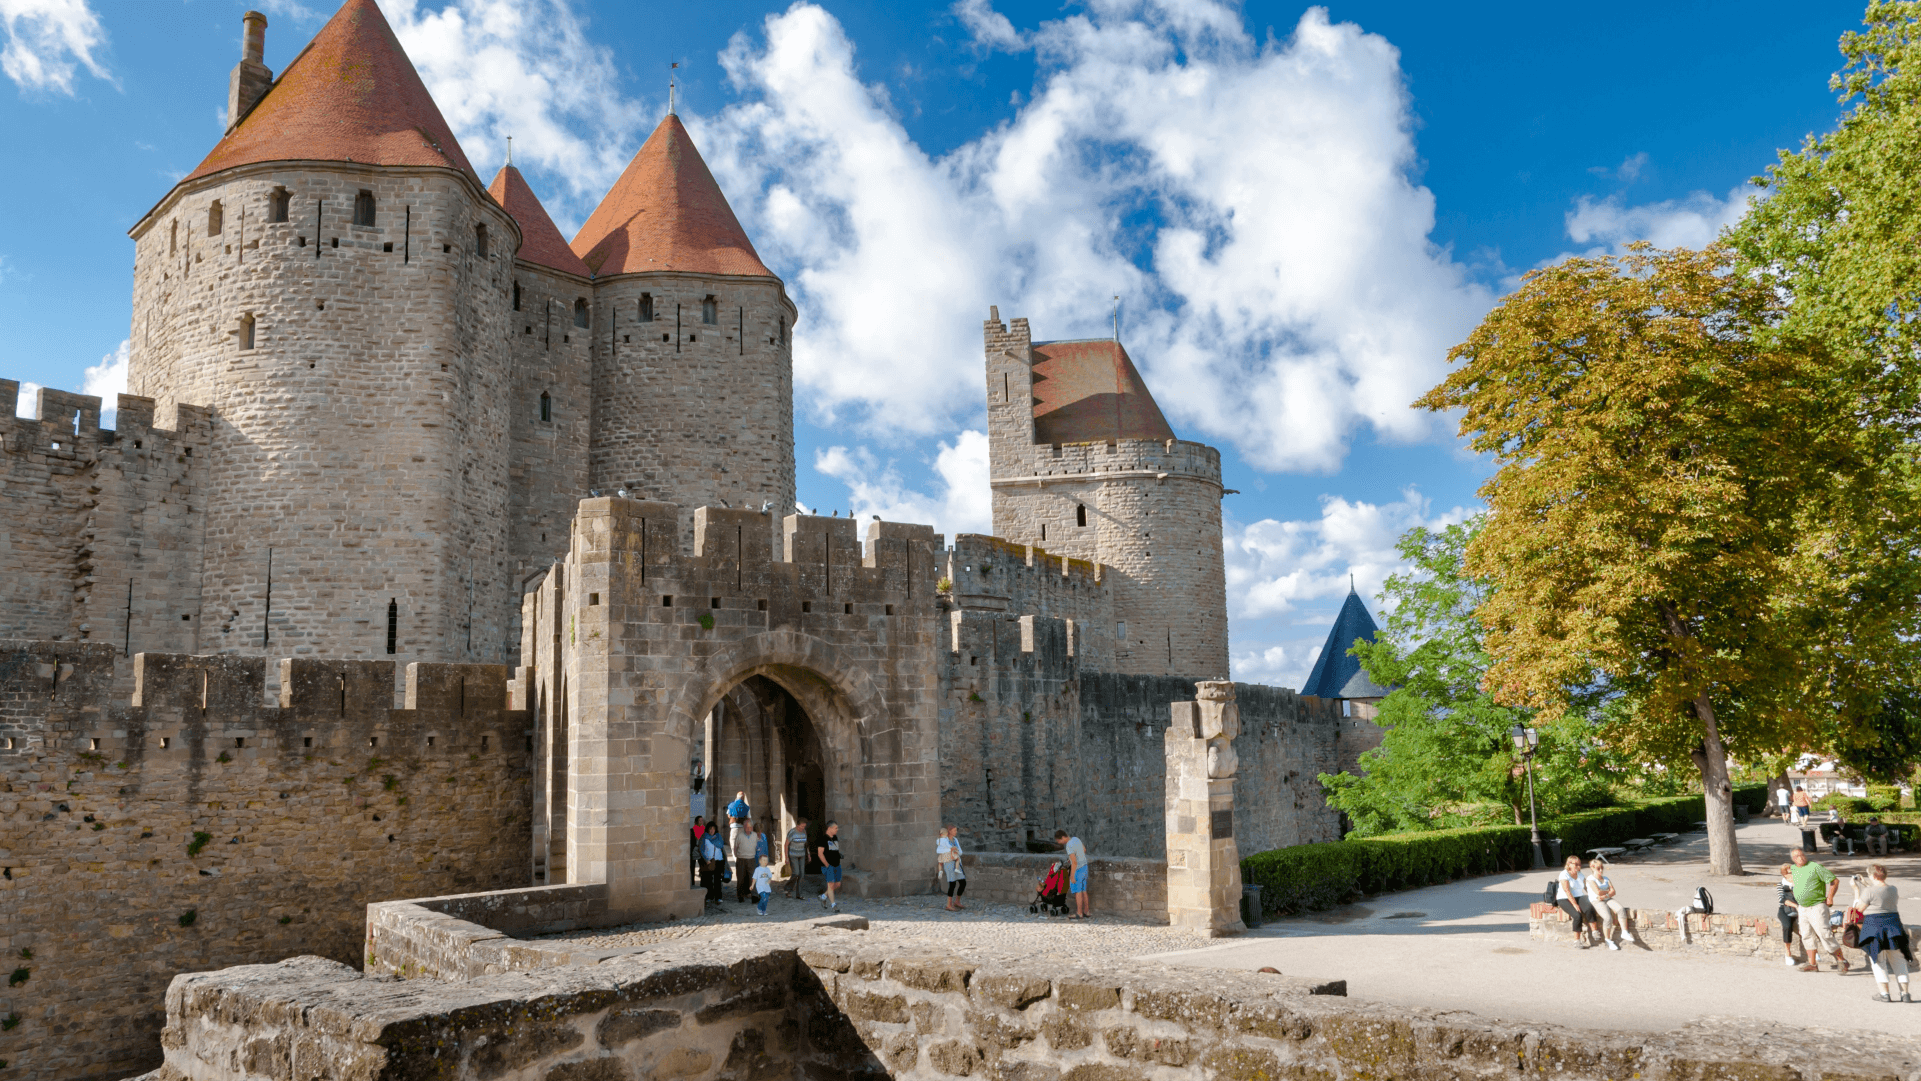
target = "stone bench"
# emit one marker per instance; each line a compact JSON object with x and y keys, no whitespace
{"x":1638,"y":843}
{"x":1664,"y":838}
{"x":1606,"y":852}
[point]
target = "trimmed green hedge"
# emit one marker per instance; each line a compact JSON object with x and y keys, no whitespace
{"x":1308,"y":877}
{"x":1752,"y":796}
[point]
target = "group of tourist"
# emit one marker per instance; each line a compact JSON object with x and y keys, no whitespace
{"x":1804,"y":902}
{"x":1797,"y":807}
{"x":747,"y":857}
{"x":747,"y":854}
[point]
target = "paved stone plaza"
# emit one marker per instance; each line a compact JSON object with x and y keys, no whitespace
{"x":1462,"y":946}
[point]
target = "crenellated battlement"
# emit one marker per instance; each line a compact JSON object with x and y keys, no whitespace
{"x":56,"y":699}
{"x":731,"y":566}
{"x":995,"y":575}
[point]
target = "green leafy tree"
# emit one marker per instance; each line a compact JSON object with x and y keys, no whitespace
{"x":1684,"y":512}
{"x":1447,"y":750}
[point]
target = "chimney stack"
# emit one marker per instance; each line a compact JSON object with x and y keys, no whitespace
{"x":251,"y":78}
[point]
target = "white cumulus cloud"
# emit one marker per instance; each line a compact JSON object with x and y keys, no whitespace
{"x":990,"y":29}
{"x":108,"y":380}
{"x":533,"y":70}
{"x":961,"y":505}
{"x":48,"y":40}
{"x":1251,"y":201}
{"x":1692,"y":222}
{"x":1286,"y":580}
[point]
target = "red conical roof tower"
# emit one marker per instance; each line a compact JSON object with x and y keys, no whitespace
{"x":540,"y":242}
{"x":1089,"y":391}
{"x":351,"y":95}
{"x":667,"y":213}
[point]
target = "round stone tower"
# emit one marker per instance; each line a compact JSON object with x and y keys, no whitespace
{"x":1084,"y":465}
{"x":693,"y":356}
{"x":332,"y":282}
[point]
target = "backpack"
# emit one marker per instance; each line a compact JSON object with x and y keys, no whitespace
{"x":1553,"y":890}
{"x":1703,"y":901}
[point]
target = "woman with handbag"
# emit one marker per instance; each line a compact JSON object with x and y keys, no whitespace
{"x":1880,"y":933}
{"x":947,"y":856}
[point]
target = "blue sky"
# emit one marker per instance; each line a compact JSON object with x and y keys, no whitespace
{"x":1302,"y":208}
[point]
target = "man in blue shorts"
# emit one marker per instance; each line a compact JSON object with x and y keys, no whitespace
{"x":1077,"y":877}
{"x":829,"y":853}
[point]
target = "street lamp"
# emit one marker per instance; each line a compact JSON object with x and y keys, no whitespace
{"x":1526,"y":742}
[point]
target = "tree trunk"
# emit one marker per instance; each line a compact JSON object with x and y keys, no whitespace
{"x":1724,"y":852}
{"x":1516,"y":808}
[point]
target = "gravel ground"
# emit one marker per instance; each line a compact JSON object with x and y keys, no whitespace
{"x":925,"y":919}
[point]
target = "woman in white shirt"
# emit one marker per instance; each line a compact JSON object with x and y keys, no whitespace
{"x":1883,"y":937}
{"x":1600,"y":894}
{"x":947,"y":856}
{"x":1573,"y":899}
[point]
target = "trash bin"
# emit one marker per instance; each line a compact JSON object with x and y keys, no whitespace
{"x":1251,"y":906}
{"x":1551,"y":850}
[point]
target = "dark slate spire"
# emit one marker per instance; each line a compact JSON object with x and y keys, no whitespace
{"x":1335,"y":674}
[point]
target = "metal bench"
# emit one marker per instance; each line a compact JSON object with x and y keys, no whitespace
{"x":1664,"y":838}
{"x":1607,"y":852}
{"x":1638,"y":843}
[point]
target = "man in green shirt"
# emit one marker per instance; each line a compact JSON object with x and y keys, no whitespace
{"x":1814,"y":887}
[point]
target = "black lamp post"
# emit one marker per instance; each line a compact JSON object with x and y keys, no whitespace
{"x":1526,"y":742}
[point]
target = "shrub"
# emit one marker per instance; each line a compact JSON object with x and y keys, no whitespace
{"x":199,"y":842}
{"x":1592,"y":829}
{"x":1675,"y":814}
{"x":1752,"y":796}
{"x":1308,"y":877}
{"x":1851,"y":806}
{"x":1884,"y":797}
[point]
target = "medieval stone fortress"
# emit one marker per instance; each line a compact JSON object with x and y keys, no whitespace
{"x":435,"y":553}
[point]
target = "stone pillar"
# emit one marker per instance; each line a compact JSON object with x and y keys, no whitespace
{"x":1203,"y":863}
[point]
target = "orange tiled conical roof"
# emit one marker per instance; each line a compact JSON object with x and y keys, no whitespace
{"x":1089,"y":392}
{"x":351,"y":95}
{"x":540,"y":242}
{"x":667,"y":213}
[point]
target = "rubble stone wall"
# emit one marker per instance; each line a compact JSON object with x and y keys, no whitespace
{"x":1032,"y":741}
{"x":1116,"y":885}
{"x":1725,"y":934}
{"x":818,"y":1002}
{"x":198,"y":826}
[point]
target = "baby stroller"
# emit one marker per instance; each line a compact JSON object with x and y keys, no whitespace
{"x":1052,"y":895}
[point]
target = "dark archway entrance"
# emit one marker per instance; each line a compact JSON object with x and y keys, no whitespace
{"x":759,"y":740}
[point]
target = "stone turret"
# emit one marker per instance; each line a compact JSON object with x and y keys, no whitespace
{"x":1085,"y":466}
{"x":332,"y":283}
{"x":693,"y":359}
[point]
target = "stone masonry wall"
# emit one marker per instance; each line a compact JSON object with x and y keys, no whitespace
{"x":993,"y":575}
{"x":547,"y":459}
{"x":90,"y":511}
{"x":364,"y":436}
{"x":828,"y":1002}
{"x":199,"y":827}
{"x":694,"y":413}
{"x":1031,"y":741}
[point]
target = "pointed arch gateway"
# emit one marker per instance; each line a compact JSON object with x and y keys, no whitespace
{"x":803,"y":679}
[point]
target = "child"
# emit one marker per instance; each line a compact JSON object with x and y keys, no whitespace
{"x":763,"y":883}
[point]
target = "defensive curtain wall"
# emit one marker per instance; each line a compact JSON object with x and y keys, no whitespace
{"x":830,"y":679}
{"x":201,"y":826}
